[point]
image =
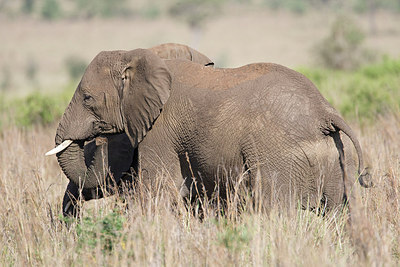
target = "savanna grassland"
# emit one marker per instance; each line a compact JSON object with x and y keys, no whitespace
{"x":157,"y":229}
{"x":154,"y":230}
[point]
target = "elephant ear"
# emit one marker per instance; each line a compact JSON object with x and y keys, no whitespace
{"x":146,"y":88}
{"x":200,"y":58}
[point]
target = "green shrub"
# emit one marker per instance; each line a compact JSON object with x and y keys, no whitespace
{"x":363,"y":94}
{"x":388,"y":67}
{"x":104,"y":232}
{"x":365,"y":99}
{"x":36,"y":109}
{"x":233,"y":238}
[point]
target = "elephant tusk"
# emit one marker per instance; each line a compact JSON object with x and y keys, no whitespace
{"x":59,"y":148}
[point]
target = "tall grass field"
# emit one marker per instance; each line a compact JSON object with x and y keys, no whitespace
{"x":157,"y":229}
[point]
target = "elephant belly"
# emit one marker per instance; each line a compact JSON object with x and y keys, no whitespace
{"x":210,"y":173}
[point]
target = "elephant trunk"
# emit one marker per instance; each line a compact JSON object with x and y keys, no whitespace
{"x":72,"y":162}
{"x":76,"y":126}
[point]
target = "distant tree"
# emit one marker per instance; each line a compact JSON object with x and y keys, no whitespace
{"x":27,"y":6}
{"x":342,"y":49}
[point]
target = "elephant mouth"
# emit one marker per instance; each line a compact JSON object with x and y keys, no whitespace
{"x":106,"y":128}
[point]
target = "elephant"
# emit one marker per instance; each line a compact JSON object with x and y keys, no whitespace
{"x":262,"y":124}
{"x":120,"y":153}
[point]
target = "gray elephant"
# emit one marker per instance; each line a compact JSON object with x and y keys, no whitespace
{"x":121,"y":156}
{"x":207,"y":127}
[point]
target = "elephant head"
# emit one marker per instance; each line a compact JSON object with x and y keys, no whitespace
{"x":119,"y":92}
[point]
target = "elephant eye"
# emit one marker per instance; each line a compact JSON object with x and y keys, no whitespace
{"x":87,"y":97}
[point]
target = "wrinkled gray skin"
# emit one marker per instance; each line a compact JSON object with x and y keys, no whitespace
{"x":121,"y":156}
{"x":209,"y":125}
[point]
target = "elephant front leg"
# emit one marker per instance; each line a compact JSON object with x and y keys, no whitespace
{"x":158,"y":163}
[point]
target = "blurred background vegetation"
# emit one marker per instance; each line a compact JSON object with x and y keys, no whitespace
{"x":359,"y":79}
{"x":194,"y":10}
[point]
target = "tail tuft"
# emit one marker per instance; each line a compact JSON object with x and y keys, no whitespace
{"x":365,"y":179}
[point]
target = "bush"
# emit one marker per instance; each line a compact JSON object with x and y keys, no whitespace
{"x":233,"y":238}
{"x":342,"y":49}
{"x":104,"y":232}
{"x":365,"y":99}
{"x":388,"y":67}
{"x":36,"y":109}
{"x":363,"y":94}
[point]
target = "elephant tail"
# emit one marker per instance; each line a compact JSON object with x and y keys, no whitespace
{"x":336,"y":123}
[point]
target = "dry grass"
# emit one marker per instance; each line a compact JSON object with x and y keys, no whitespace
{"x":158,"y":230}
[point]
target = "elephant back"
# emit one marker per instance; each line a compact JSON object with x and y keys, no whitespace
{"x":182,"y":52}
